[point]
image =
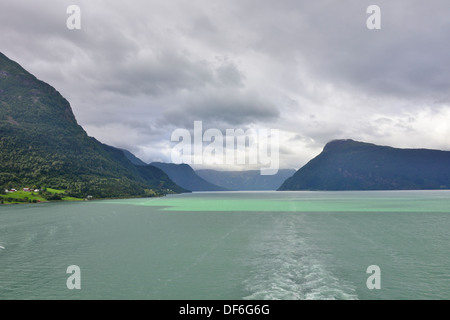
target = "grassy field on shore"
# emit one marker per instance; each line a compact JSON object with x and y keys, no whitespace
{"x":35,"y":197}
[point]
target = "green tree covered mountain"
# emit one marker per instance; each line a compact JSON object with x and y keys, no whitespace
{"x":353,"y":165}
{"x":134,"y":160}
{"x":41,"y":144}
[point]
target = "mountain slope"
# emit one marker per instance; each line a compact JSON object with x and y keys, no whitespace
{"x":246,"y":180}
{"x":352,"y":165}
{"x":152,"y":176}
{"x":42,"y":144}
{"x":185,"y":176}
{"x":133,"y":159}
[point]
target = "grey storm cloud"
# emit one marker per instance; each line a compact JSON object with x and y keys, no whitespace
{"x":138,"y":70}
{"x":157,"y":73}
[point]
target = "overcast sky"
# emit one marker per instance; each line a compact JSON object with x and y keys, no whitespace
{"x":139,"y":69}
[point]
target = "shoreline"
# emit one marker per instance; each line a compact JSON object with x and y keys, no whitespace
{"x":77,"y":200}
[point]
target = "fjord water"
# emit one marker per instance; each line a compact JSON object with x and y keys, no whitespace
{"x":230,"y":245}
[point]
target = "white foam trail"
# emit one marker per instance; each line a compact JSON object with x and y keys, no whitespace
{"x":2,"y":247}
{"x":286,"y":267}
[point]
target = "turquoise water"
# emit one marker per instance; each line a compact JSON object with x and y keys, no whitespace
{"x":231,"y":245}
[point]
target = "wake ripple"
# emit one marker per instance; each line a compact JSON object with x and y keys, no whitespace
{"x":286,"y":267}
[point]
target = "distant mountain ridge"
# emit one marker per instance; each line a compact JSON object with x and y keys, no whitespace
{"x":185,"y":176}
{"x":352,"y":165}
{"x":42,"y":144}
{"x":250,"y":180}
